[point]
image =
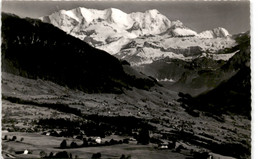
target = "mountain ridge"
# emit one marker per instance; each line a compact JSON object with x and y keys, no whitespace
{"x":146,"y":20}
{"x":112,"y":29}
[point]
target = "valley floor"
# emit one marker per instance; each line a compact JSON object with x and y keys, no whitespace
{"x":26,"y":101}
{"x":37,"y":143}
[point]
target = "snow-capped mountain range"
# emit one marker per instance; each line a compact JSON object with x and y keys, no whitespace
{"x":138,"y":37}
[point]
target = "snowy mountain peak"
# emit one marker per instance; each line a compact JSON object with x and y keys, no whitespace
{"x":178,"y":29}
{"x":70,"y":13}
{"x":153,"y":12}
{"x":112,"y":29}
{"x":118,"y":17}
{"x":113,"y":12}
{"x":148,"y":22}
{"x":218,"y":32}
{"x":177,"y":24}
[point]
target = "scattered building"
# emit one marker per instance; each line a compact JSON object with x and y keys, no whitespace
{"x":163,"y":146}
{"x":98,"y":140}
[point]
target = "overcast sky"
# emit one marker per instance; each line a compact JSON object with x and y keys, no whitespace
{"x":198,"y":15}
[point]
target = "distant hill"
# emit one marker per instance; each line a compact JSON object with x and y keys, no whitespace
{"x":234,"y":94}
{"x":33,"y":49}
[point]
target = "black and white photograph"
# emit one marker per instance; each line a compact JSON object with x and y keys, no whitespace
{"x":120,"y":79}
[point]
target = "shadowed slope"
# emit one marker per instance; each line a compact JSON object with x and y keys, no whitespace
{"x":232,"y":95}
{"x":34,"y":49}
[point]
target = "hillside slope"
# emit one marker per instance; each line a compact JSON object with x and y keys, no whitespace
{"x":231,"y":96}
{"x":33,"y":49}
{"x":234,"y":94}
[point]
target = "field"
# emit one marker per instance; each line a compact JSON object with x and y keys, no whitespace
{"x":37,"y":143}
